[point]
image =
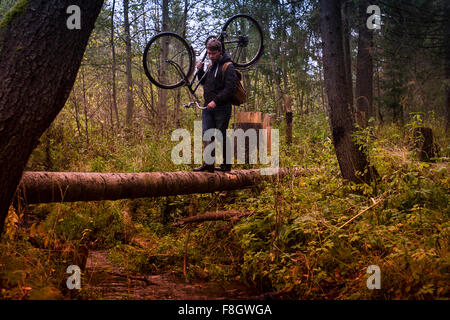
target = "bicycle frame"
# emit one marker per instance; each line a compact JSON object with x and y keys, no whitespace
{"x":234,"y":40}
{"x":190,"y":84}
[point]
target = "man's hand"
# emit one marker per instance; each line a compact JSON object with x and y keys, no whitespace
{"x":211,"y":105}
{"x":200,"y":65}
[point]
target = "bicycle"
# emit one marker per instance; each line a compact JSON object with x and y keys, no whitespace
{"x":169,"y":59}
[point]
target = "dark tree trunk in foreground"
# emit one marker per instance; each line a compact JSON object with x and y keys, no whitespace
{"x":39,"y":62}
{"x":345,"y":8}
{"x":352,"y":161}
{"x":364,"y":66}
{"x":42,"y":187}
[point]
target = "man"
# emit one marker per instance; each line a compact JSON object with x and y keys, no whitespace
{"x":218,"y":91}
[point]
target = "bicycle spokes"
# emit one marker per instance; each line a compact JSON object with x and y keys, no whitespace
{"x":168,"y":60}
{"x":243,"y":40}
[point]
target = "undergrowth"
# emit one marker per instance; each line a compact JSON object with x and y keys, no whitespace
{"x":310,"y":237}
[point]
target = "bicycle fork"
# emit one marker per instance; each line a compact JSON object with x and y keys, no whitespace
{"x":189,"y":85}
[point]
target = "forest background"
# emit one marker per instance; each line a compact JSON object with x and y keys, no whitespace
{"x":302,"y":241}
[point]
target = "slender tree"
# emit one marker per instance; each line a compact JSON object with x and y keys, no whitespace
{"x":113,"y":65}
{"x":130,"y":100}
{"x":345,"y":8}
{"x":162,"y":93}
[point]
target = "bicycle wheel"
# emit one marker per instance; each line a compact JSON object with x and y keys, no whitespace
{"x":243,"y":40}
{"x":168,"y":60}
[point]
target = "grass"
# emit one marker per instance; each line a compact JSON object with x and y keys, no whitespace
{"x":311,"y":237}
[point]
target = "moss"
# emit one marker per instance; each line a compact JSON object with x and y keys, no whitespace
{"x":19,"y":8}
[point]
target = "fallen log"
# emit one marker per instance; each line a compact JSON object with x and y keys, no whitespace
{"x":213,"y":216}
{"x":44,"y":187}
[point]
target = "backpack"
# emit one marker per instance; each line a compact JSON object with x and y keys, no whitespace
{"x":240,"y":95}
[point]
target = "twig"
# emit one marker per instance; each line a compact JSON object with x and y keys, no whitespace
{"x":185,"y":256}
{"x":148,"y":282}
{"x":365,"y":210}
{"x":212,"y":216}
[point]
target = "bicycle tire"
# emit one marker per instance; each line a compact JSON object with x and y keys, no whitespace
{"x":164,"y":74}
{"x":231,"y":30}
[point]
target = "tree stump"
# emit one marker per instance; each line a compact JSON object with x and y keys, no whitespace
{"x":423,"y":143}
{"x":247,"y":121}
{"x":266,"y":124}
{"x":288,"y":110}
{"x":247,"y":147}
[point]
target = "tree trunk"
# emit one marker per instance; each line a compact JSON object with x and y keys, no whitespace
{"x":288,"y":110}
{"x":113,"y":66}
{"x":178,"y":94}
{"x":352,"y":161}
{"x":77,"y":113}
{"x":86,"y":117}
{"x":378,"y":111}
{"x":43,"y":187}
{"x":345,"y":5}
{"x":39,"y":61}
{"x":130,"y":101}
{"x":364,"y":66}
{"x":276,"y":78}
{"x":162,"y":93}
{"x":424,"y":144}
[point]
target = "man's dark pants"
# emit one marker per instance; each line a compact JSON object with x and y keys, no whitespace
{"x":218,"y":118}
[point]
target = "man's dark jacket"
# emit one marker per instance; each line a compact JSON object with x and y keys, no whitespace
{"x":214,"y":88}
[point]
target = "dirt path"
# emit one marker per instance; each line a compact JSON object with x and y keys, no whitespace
{"x":112,"y":282}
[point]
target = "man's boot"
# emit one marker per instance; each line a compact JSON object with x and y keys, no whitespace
{"x":205,"y":167}
{"x":223,"y":167}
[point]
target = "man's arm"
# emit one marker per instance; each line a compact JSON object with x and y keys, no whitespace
{"x":230,"y":78}
{"x":201,"y":72}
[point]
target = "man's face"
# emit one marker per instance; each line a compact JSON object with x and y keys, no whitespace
{"x":213,"y":55}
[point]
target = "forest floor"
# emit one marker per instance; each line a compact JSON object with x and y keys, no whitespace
{"x":111,"y":282}
{"x":310,"y":237}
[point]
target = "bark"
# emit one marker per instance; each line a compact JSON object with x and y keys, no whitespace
{"x":423,"y":143}
{"x":39,"y":62}
{"x":213,"y":216}
{"x":345,"y":6}
{"x":364,"y":66}
{"x":43,"y":187}
{"x":352,"y":161}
